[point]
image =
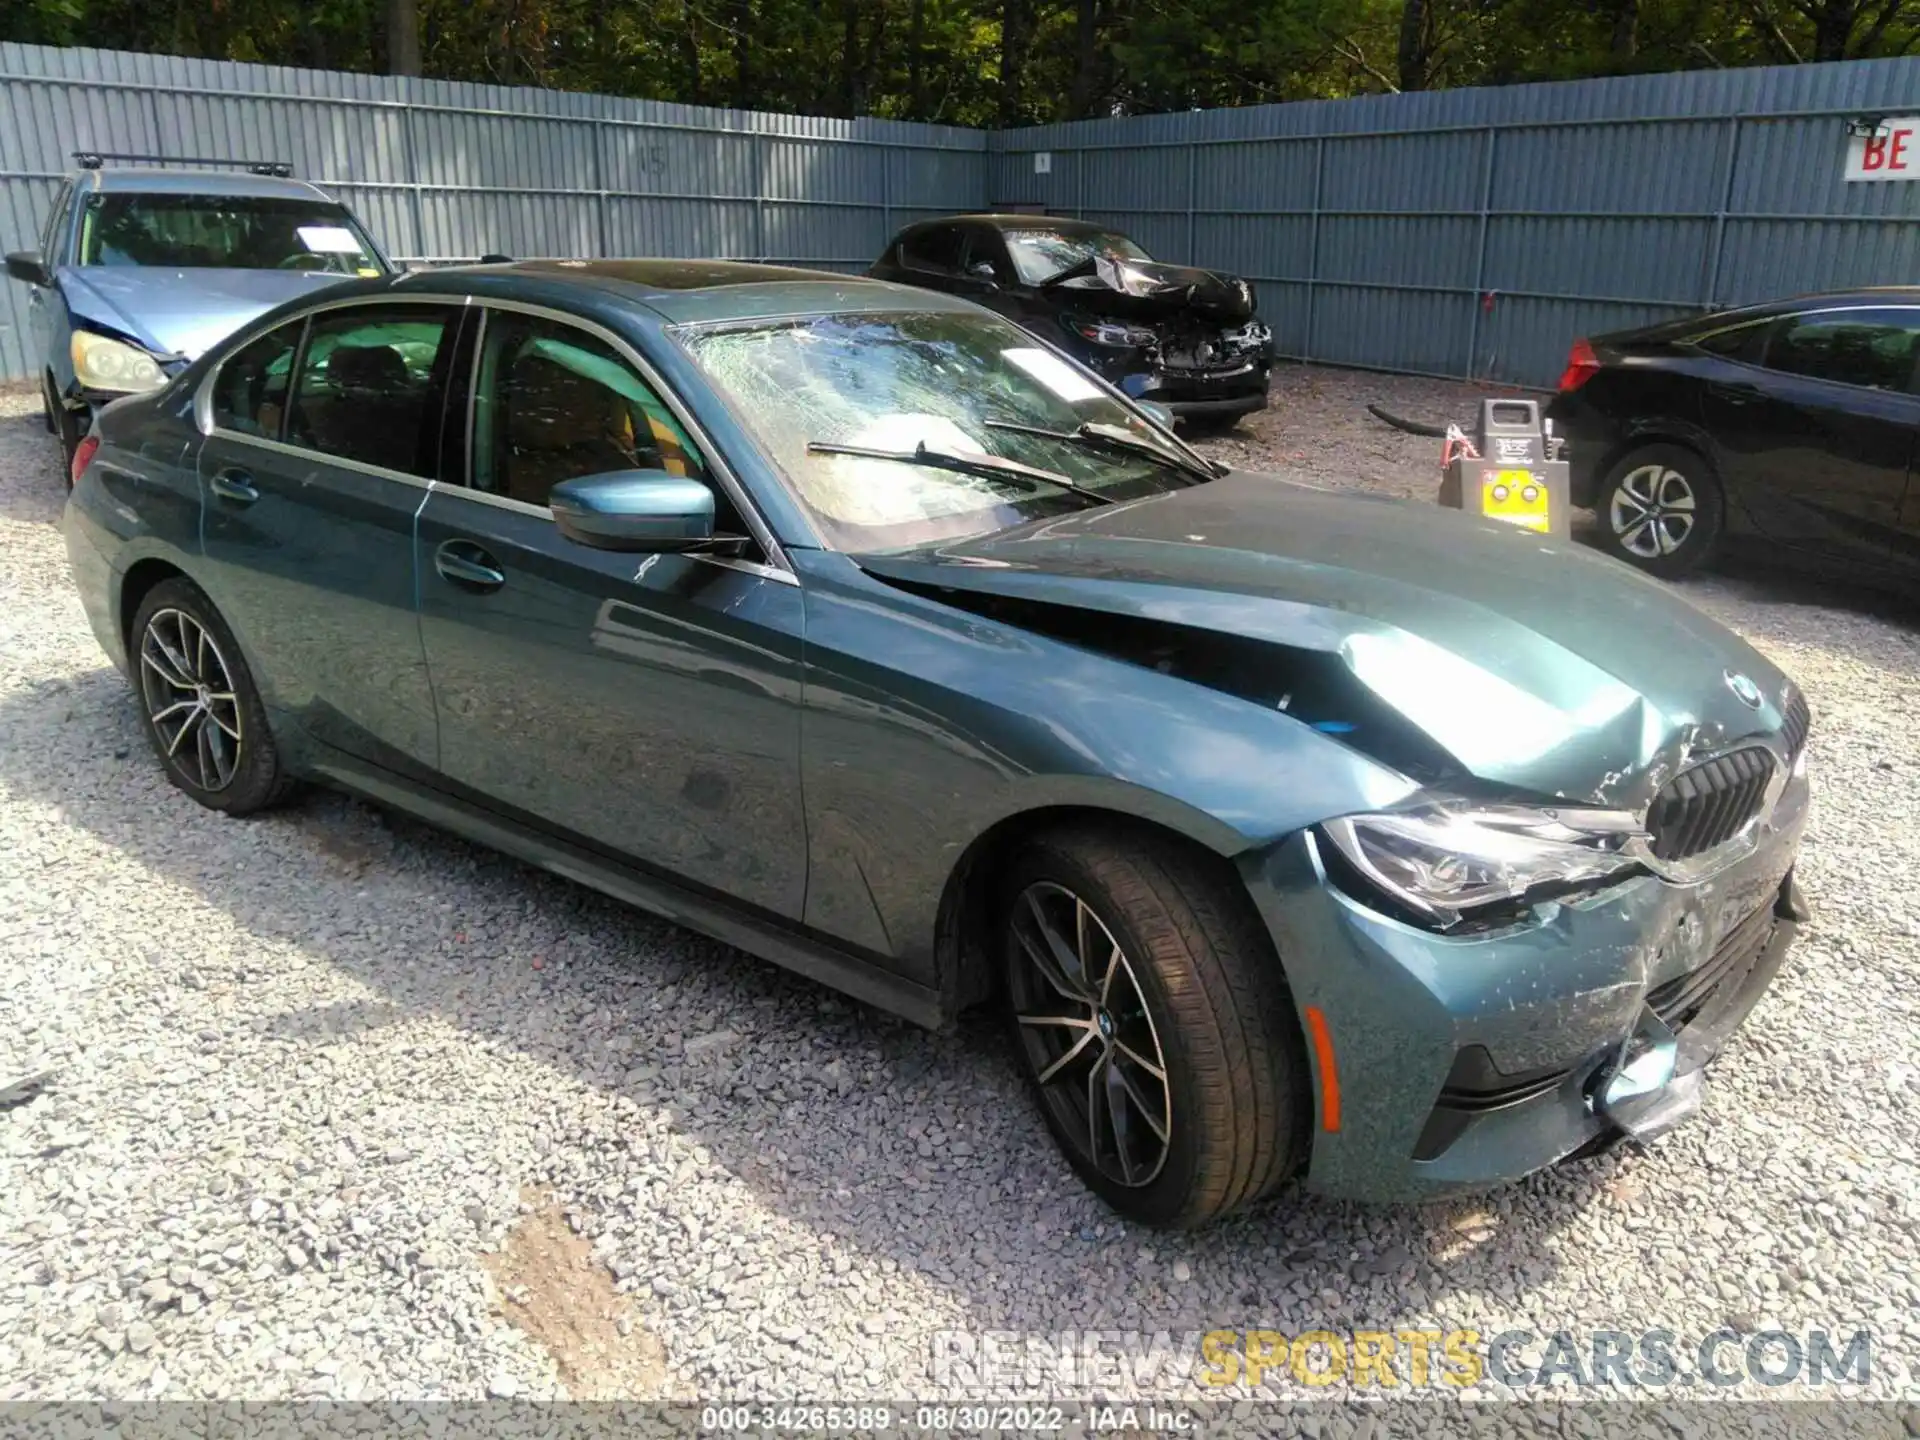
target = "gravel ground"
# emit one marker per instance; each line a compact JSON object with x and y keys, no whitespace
{"x":344,"y":1107}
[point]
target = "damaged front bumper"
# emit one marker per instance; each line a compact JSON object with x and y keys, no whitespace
{"x":1190,"y":392}
{"x":1465,"y":1060}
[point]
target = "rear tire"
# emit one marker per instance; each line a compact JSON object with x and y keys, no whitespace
{"x":1661,"y":509}
{"x":198,"y":703}
{"x":1130,"y":956}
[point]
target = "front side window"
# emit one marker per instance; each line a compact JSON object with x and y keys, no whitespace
{"x":1875,"y":349}
{"x":554,"y":403}
{"x":370,"y":385}
{"x":1041,"y":255}
{"x":965,"y":386}
{"x":227,"y":232}
{"x":250,"y":394}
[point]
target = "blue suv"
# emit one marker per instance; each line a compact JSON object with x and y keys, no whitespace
{"x":141,"y":269}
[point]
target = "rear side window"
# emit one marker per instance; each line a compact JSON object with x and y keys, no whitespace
{"x":1875,"y":349}
{"x":250,"y":393}
{"x":371,"y":381}
{"x":936,"y":249}
{"x":1742,"y":342}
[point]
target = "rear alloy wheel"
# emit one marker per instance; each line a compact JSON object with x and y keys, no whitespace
{"x":1661,"y":510}
{"x":198,"y":704}
{"x":1154,"y":1024}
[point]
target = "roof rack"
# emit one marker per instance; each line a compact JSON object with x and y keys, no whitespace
{"x":94,"y":159}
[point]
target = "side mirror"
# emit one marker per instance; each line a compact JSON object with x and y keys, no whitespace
{"x":637,"y":510}
{"x":28,"y":266}
{"x":982,"y":270}
{"x":1156,"y":412}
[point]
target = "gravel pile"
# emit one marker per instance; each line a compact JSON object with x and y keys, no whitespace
{"x":343,"y":1107}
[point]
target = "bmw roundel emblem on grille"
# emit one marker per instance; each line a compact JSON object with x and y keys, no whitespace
{"x":1744,"y":690}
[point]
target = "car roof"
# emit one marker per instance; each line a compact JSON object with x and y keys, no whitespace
{"x":689,"y":291}
{"x":1823,"y":300}
{"x":1056,"y":224}
{"x":135,"y":180}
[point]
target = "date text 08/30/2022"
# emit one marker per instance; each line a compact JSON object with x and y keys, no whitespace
{"x":1040,"y":1419}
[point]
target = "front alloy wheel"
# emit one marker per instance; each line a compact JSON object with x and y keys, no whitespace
{"x":1088,"y":1036}
{"x":1153,"y":1019}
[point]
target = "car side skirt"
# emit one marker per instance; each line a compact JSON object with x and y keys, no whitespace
{"x":762,"y":936}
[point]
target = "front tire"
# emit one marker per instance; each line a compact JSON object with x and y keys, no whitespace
{"x":62,"y":422}
{"x":1661,"y":509}
{"x":198,"y":703}
{"x":1155,"y":1025}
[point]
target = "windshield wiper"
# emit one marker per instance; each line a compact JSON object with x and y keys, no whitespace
{"x":1097,"y":435}
{"x":1027,"y":478}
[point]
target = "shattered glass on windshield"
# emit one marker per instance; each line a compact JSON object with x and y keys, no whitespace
{"x":897,"y":382}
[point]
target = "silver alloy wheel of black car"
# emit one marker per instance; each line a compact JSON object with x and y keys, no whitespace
{"x":190,"y":698}
{"x":1652,"y":511}
{"x":1086,"y":1028}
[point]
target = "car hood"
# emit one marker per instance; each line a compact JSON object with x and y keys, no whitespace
{"x":1148,"y":290}
{"x":180,"y":312}
{"x":1532,"y":663}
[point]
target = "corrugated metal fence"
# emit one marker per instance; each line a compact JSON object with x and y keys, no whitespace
{"x":441,"y":171}
{"x":1477,"y":232}
{"x":1469,"y":232}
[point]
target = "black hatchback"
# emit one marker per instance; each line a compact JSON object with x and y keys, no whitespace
{"x":1792,"y":423}
{"x":1183,"y":339}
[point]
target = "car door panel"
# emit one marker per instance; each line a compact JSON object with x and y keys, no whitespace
{"x":320,"y":566}
{"x":648,"y":704}
{"x":1819,"y":465}
{"x":311,"y":557}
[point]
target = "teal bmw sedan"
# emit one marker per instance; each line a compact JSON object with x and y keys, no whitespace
{"x":1293,"y":833}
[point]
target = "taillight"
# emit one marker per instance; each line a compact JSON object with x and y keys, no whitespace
{"x":83,"y":454}
{"x":1582,"y":366}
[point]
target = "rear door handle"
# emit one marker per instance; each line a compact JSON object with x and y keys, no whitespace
{"x":234,"y":485}
{"x":465,"y":564}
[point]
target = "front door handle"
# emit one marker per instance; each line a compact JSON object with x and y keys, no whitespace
{"x":234,"y":485}
{"x":1733,"y":394}
{"x":463,"y":563}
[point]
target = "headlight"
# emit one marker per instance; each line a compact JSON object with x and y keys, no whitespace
{"x":1111,"y":332}
{"x":1448,"y":858}
{"x":103,"y":364}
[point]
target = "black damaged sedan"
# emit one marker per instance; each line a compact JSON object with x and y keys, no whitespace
{"x":1184,"y":339}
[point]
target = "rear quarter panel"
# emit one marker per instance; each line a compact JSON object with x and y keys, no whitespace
{"x":1636,"y":399}
{"x":138,"y":501}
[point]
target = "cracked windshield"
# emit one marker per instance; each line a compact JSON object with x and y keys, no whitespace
{"x":965,"y":425}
